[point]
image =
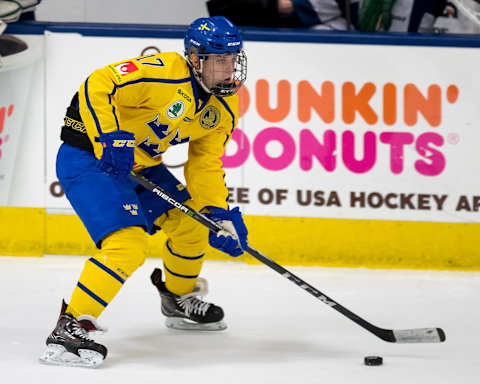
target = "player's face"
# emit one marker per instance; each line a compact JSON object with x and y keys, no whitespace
{"x":219,"y":69}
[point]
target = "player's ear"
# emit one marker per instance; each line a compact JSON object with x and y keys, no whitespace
{"x":195,"y":60}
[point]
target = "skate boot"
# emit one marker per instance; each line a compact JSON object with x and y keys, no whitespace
{"x":69,"y":344}
{"x":188,"y":312}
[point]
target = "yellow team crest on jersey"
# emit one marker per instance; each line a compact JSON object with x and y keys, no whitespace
{"x":210,"y":117}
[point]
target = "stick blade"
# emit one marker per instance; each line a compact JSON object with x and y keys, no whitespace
{"x":419,"y":335}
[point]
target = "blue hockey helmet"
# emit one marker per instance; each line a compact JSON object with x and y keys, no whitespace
{"x":214,"y":36}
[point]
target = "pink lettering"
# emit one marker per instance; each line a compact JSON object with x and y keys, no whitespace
{"x":369,"y":152}
{"x":264,"y":138}
{"x":436,"y":160}
{"x":243,"y":150}
{"x":396,"y":140}
{"x":310,"y":146}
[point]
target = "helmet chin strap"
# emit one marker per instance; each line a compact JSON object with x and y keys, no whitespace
{"x":198,"y":74}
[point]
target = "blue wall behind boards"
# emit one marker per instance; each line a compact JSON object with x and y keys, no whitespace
{"x":253,"y":34}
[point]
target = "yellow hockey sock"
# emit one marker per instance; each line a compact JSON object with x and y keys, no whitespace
{"x":96,"y":287}
{"x":181,"y":272}
{"x":183,"y":253}
{"x":102,"y":277}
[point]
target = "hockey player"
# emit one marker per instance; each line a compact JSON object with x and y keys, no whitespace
{"x":124,"y":117}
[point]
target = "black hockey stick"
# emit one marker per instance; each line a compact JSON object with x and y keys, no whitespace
{"x":417,"y":335}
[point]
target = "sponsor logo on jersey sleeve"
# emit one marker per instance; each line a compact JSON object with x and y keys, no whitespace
{"x":184,"y":95}
{"x":126,"y":68}
{"x":176,"y":109}
{"x":210,"y":117}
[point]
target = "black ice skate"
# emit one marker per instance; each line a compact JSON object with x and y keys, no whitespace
{"x":188,"y":312}
{"x":69,"y":344}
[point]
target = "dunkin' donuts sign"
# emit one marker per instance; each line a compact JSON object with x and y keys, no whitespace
{"x":332,"y":148}
{"x":383,"y":138}
{"x":329,"y":130}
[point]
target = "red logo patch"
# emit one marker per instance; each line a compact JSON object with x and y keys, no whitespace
{"x":4,"y":139}
{"x":126,"y":68}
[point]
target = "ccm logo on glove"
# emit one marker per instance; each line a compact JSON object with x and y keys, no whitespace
{"x":123,"y":143}
{"x":118,"y":153}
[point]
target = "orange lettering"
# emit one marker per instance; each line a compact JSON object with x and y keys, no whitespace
{"x":352,"y":102}
{"x":452,"y":93}
{"x":323,"y":104}
{"x":263,"y":100}
{"x":243,"y":100}
{"x":389,"y":104}
{"x":430,"y":107}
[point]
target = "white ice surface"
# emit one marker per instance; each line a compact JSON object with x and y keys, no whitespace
{"x":277,"y":332}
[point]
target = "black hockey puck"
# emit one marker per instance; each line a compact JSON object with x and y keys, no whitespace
{"x":373,"y":360}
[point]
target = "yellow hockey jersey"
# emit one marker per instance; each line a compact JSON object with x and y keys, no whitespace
{"x":156,"y":98}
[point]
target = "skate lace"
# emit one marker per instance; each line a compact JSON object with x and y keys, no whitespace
{"x":78,"y":331}
{"x":191,"y":304}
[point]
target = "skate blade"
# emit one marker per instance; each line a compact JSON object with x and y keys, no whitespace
{"x":185,"y":325}
{"x":57,"y":355}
